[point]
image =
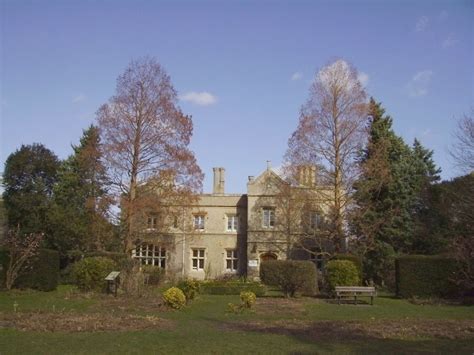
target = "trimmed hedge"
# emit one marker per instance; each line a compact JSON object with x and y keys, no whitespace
{"x":290,"y":275}
{"x":43,"y":273}
{"x":426,"y":276}
{"x":231,"y":288}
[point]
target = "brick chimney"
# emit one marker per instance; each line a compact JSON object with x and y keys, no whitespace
{"x":219,"y":181}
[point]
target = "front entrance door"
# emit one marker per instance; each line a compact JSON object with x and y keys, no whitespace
{"x":268,"y":256}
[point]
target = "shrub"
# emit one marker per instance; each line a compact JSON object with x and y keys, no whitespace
{"x":341,"y":273}
{"x":425,"y":276}
{"x":190,"y":288}
{"x":89,"y":273}
{"x":43,"y":273}
{"x":174,"y":298}
{"x":231,"y":287}
{"x":248,"y":299}
{"x":354,"y":258}
{"x":379,"y":265}
{"x":290,"y":275}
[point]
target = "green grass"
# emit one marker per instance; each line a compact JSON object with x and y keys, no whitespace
{"x":205,"y":327}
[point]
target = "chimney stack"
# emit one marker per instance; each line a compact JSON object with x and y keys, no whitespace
{"x":219,"y":181}
{"x":306,"y":175}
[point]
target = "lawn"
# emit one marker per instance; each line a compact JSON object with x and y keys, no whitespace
{"x":65,"y":321}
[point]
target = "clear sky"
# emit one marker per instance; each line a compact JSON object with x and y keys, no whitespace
{"x":241,"y":68}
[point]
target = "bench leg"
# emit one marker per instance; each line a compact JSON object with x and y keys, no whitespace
{"x":371,"y":300}
{"x":355,"y":299}
{"x":339,"y":300}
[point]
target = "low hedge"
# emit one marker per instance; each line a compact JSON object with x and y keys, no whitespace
{"x":426,"y":276}
{"x":290,"y":275}
{"x":231,"y":288}
{"x":43,"y":273}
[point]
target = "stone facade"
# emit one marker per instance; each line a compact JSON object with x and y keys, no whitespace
{"x":224,"y":233}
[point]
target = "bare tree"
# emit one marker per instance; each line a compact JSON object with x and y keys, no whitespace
{"x":462,"y":150}
{"x":145,"y":142}
{"x":330,"y":133}
{"x":21,"y":249}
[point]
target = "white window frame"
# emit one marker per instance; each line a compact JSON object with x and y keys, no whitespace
{"x":232,"y":223}
{"x":232,"y":257}
{"x":150,"y":254}
{"x":198,"y":257}
{"x":268,"y":217}
{"x":199,"y":222}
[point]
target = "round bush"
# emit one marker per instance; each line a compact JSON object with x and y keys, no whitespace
{"x":342,"y":273}
{"x":174,"y":298}
{"x":248,"y":299}
{"x":190,"y":288}
{"x":89,"y":273}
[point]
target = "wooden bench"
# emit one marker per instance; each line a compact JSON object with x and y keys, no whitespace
{"x":355,"y":291}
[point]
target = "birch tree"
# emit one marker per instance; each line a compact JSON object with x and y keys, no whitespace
{"x":330,"y":133}
{"x":146,"y":140}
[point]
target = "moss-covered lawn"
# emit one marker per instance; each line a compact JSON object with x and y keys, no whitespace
{"x":65,"y":321}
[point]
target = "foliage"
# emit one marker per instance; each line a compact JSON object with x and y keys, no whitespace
{"x":330,"y":132}
{"x":21,"y":251}
{"x":44,"y":272}
{"x":341,"y":273}
{"x":358,"y":262}
{"x":426,"y":276}
{"x":248,"y":299}
{"x":391,"y":191}
{"x":80,"y":208}
{"x":290,"y":275}
{"x":29,"y":176}
{"x":231,"y":287}
{"x":190,"y":288}
{"x":89,"y":273}
{"x":379,"y":265}
{"x":174,"y":298}
{"x":146,"y":139}
{"x":463,"y":251}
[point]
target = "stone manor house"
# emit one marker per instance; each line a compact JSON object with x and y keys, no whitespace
{"x":228,"y":233}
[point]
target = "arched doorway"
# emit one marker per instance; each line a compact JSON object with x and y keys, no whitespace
{"x":268,"y":256}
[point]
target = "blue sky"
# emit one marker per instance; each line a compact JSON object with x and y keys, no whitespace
{"x":241,"y":68}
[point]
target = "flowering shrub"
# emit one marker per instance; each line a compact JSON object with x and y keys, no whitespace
{"x":174,"y":298}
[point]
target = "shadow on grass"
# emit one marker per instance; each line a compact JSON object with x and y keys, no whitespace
{"x":342,"y":336}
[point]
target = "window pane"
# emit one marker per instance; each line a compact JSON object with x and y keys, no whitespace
{"x":195,"y":263}
{"x":201,"y":253}
{"x":229,"y":264}
{"x":201,"y":263}
{"x":195,"y":253}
